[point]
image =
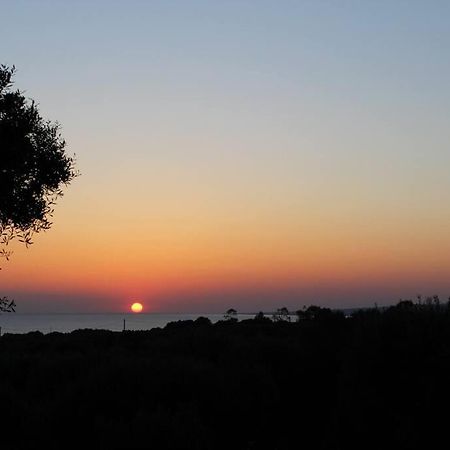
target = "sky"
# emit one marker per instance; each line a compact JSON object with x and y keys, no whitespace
{"x":245,"y":154}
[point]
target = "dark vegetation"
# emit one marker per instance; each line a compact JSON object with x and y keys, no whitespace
{"x":379,"y":379}
{"x":33,"y":164}
{"x":34,"y":167}
{"x":7,"y":305}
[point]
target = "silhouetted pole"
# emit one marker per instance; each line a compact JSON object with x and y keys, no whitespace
{"x":123,"y":324}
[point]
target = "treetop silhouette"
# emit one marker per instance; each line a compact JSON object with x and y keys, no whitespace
{"x":34,"y":166}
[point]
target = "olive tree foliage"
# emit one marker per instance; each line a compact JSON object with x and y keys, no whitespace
{"x":34,"y":167}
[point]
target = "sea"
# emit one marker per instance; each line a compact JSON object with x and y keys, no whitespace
{"x":67,"y":322}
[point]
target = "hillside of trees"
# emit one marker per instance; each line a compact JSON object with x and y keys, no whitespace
{"x":377,"y":379}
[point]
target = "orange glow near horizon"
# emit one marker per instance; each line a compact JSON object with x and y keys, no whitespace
{"x":200,"y":251}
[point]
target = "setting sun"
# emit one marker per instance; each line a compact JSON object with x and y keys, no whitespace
{"x":136,"y":307}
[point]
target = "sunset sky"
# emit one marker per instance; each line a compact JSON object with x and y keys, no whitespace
{"x":246,"y":154}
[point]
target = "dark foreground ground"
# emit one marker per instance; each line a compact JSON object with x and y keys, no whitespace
{"x":378,"y":380}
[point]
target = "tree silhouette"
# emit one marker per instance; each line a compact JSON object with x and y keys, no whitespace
{"x":231,"y":314}
{"x":33,"y":166}
{"x":314,"y":312}
{"x":281,"y":314}
{"x":7,"y":305}
{"x":260,"y":316}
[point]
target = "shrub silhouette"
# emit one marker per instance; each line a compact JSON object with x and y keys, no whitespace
{"x":231,"y":314}
{"x":7,"y":305}
{"x":281,"y":314}
{"x":378,"y":379}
